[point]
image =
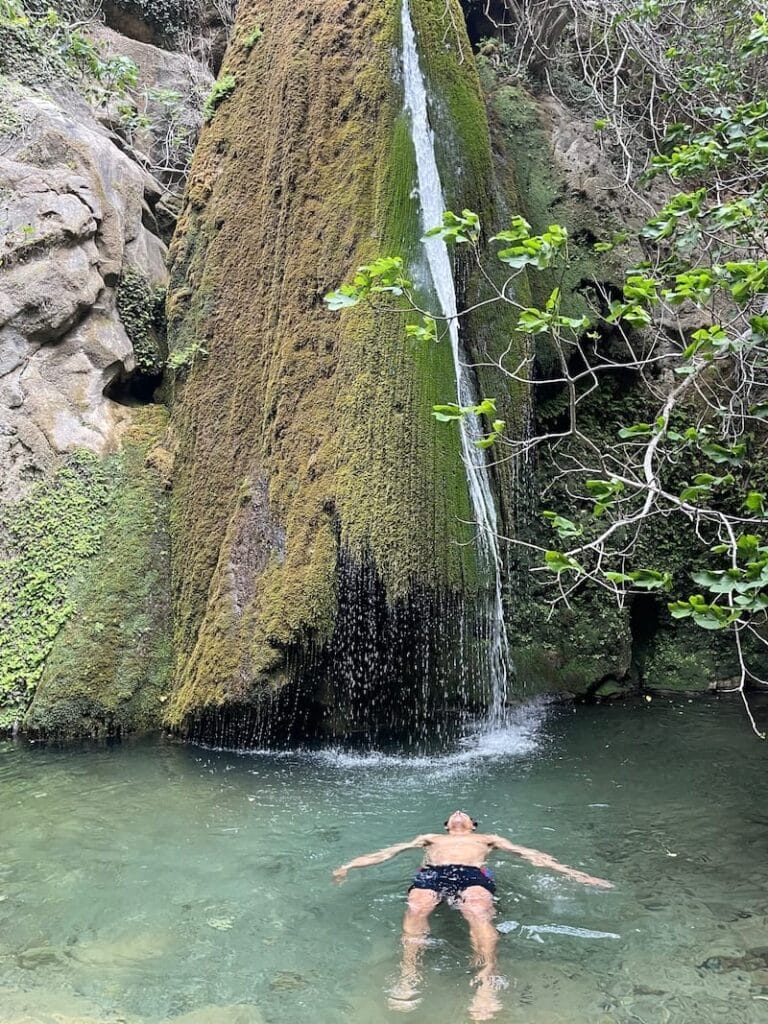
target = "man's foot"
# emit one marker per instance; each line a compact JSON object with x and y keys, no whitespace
{"x":404,"y":996}
{"x":402,"y":1005}
{"x":486,"y":1003}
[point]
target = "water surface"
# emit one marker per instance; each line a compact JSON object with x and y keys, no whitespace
{"x":148,"y":881}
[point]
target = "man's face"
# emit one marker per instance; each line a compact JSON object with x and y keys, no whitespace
{"x":460,"y":820}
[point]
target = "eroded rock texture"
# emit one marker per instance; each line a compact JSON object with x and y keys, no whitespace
{"x":74,"y":209}
{"x":85,"y":204}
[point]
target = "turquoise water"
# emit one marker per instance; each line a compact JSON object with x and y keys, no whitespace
{"x":152,"y":881}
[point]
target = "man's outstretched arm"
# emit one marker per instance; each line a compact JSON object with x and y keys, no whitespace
{"x":543,"y":860}
{"x":380,"y":856}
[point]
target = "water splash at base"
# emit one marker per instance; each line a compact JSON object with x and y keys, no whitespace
{"x":519,"y":737}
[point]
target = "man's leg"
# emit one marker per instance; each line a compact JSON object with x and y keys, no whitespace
{"x":421,"y":903}
{"x":476,"y":906}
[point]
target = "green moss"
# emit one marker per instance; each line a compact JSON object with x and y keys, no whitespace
{"x":323,"y":420}
{"x":141,"y":308}
{"x":686,"y":658}
{"x":50,"y":534}
{"x":165,"y":23}
{"x":220,"y":90}
{"x":253,"y":37}
{"x":571,"y":649}
{"x":108,"y":667}
{"x":40,"y":46}
{"x":522,"y":141}
{"x":610,"y":689}
{"x":458,"y":111}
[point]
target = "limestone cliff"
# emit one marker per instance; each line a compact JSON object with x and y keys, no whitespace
{"x":84,"y":208}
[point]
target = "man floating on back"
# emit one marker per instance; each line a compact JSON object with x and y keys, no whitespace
{"x":454,"y":871}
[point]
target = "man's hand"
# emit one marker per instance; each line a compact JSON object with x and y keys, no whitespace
{"x":340,"y":875}
{"x":598,"y":883}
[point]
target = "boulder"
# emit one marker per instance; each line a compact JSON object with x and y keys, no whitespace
{"x":75,"y":207}
{"x":169,"y":96}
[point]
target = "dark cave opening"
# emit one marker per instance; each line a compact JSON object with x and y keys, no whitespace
{"x":643,"y":624}
{"x":134,"y":387}
{"x":485,"y":19}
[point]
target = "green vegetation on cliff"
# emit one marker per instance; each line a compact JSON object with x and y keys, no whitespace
{"x":300,"y":437}
{"x":84,"y":631}
{"x":38,"y":46}
{"x":142,"y":311}
{"x":109,"y":666}
{"x":681,"y":331}
{"x":51,"y":533}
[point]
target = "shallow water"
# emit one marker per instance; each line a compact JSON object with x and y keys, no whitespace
{"x":146,"y":881}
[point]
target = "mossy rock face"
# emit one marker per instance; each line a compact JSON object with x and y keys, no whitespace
{"x":683,"y":657}
{"x":303,"y":434}
{"x":109,"y":666}
{"x":573,"y":649}
{"x":47,"y":537}
{"x":142,"y":311}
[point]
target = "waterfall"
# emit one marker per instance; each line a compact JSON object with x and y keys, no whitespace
{"x":432,"y":203}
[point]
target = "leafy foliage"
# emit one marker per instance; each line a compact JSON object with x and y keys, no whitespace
{"x":40,"y":48}
{"x":141,"y":309}
{"x":690,"y":323}
{"x":384,"y":276}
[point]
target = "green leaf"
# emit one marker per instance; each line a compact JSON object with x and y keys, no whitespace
{"x":342,"y":298}
{"x":447,"y":413}
{"x":457,"y":229}
{"x":450,"y":412}
{"x":650,"y":579}
{"x":618,"y":577}
{"x":564,"y":527}
{"x":558,"y":563}
{"x":538,"y":251}
{"x":636,"y":430}
{"x":605,"y":493}
{"x":707,"y":616}
{"x":485,"y":408}
{"x":426,"y":331}
{"x":534,"y":321}
{"x":731,"y":454}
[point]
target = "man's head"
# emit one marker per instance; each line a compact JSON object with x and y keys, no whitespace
{"x":459,"y":822}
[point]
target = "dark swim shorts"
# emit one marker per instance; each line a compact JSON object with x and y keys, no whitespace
{"x":450,"y":880}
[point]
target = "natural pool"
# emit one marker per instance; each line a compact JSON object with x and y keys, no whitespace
{"x":148,"y":881}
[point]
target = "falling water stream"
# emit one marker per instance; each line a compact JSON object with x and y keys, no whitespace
{"x":432,"y":203}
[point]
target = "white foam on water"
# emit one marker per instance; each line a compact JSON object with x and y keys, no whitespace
{"x":536,"y":930}
{"x":520,"y":736}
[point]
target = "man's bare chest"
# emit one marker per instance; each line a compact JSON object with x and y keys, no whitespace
{"x":472,"y":850}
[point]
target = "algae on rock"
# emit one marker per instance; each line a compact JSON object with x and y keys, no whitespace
{"x":109,"y":666}
{"x":303,"y":437}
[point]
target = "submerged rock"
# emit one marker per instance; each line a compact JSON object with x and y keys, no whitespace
{"x":237,"y":1013}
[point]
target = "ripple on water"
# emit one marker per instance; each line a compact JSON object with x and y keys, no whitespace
{"x":153,"y":881}
{"x":520,"y":736}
